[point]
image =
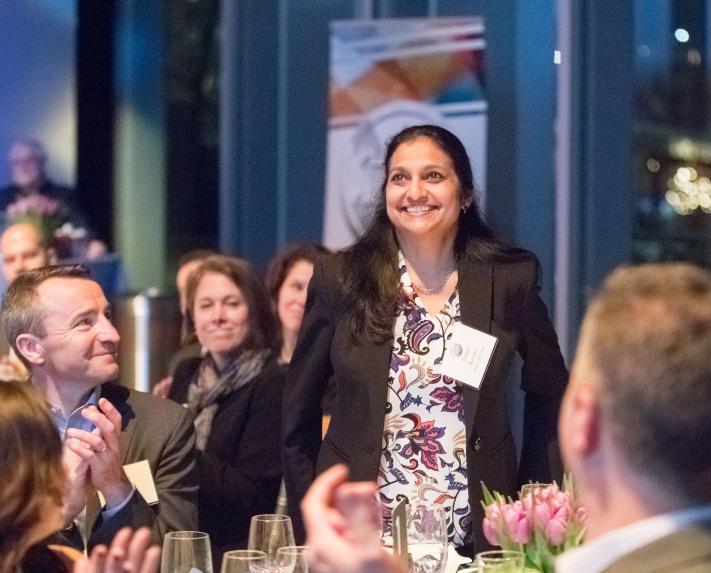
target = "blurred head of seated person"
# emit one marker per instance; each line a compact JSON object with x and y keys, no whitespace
{"x":27,"y":160}
{"x":287,"y":280}
{"x":234,"y":392}
{"x":189,"y":345}
{"x":32,"y":474}
{"x":32,"y":491}
{"x":186,"y":265}
{"x":58,"y":322}
{"x":23,"y":248}
{"x":636,"y":421}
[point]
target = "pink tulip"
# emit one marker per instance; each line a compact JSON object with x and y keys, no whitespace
{"x":492,"y":523}
{"x":557,"y":526}
{"x":517,"y":522}
{"x":560,"y":512}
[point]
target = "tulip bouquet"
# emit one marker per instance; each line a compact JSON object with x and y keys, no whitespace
{"x":545,"y":521}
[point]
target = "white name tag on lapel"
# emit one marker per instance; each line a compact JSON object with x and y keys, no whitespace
{"x":141,"y":477}
{"x":468,"y":354}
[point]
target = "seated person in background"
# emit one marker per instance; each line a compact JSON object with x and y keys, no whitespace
{"x":235,"y":393}
{"x":287,"y":281}
{"x":636,"y":421}
{"x":31,"y":494}
{"x":27,"y":160}
{"x":190,"y":347}
{"x":57,"y":321}
{"x":22,"y":248}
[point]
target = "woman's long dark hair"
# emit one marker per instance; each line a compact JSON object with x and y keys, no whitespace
{"x":371,"y":280}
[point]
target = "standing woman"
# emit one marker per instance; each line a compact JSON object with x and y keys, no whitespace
{"x":377,"y":324}
{"x":235,"y":393}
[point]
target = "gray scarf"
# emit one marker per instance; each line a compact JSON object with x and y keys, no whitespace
{"x":210,"y":386}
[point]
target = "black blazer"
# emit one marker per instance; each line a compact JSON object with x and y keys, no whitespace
{"x":240,"y":469}
{"x":499,"y":298}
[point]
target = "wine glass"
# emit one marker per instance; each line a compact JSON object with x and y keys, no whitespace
{"x":269,"y":532}
{"x":499,"y":561}
{"x":244,"y":561}
{"x":427,"y":538}
{"x":292,"y":559}
{"x":186,"y":552}
{"x":531,"y":488}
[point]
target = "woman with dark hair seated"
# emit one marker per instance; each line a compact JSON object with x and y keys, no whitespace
{"x":235,"y":393}
{"x":31,"y":496}
{"x":423,"y":278}
{"x":287,"y":280}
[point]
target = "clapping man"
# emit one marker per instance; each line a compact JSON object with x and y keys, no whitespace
{"x":57,"y":321}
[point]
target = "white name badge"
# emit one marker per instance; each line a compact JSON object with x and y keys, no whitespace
{"x":468,"y":353}
{"x":141,"y":477}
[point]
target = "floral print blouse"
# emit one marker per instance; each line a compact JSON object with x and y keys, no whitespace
{"x":424,"y":438}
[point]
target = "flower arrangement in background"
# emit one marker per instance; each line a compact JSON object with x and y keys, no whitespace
{"x":543,"y":522}
{"x":43,"y":212}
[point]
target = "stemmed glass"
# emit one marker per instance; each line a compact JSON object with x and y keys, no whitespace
{"x":292,"y":559}
{"x":244,"y":561}
{"x":186,"y":552}
{"x":531,"y":488}
{"x":499,"y":561}
{"x":269,"y":532}
{"x":427,"y":540}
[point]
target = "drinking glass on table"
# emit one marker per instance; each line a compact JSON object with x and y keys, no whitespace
{"x":186,"y":552}
{"x":269,"y":532}
{"x":292,"y":559}
{"x":244,"y":561}
{"x":499,"y":561}
{"x":426,"y":538}
{"x":531,"y":488}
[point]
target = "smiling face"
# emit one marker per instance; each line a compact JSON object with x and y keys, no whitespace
{"x":423,"y":195}
{"x":80,"y":344}
{"x":221,"y":316}
{"x":292,"y":296}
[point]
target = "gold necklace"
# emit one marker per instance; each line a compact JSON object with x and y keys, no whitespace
{"x":435,"y":289}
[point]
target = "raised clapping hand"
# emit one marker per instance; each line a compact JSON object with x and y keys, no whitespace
{"x":341,"y":532}
{"x":76,"y":484}
{"x":100,"y":450}
{"x":129,"y":553}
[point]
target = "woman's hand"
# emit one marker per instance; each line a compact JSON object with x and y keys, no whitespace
{"x":129,"y":552}
{"x":341,"y":533}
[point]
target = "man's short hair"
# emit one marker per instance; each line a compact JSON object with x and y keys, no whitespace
{"x":21,"y":309}
{"x":647,"y":336}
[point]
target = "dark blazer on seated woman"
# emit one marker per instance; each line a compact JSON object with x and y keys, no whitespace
{"x":240,"y":468}
{"x":500,"y":298}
